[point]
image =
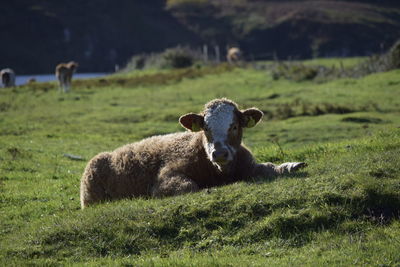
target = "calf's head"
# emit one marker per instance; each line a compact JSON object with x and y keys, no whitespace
{"x":222,"y":123}
{"x":72,"y":65}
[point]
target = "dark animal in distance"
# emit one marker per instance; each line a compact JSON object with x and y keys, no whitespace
{"x":31,"y":80}
{"x":7,"y":77}
{"x":64,"y":72}
{"x":209,"y":154}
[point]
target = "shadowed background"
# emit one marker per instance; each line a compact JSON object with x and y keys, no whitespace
{"x":36,"y":35}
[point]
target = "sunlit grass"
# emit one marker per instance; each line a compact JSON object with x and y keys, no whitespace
{"x":341,"y":210}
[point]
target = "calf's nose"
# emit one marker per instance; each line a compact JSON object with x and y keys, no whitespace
{"x":220,"y":155}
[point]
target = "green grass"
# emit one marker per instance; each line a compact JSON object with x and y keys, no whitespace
{"x":336,"y":62}
{"x":343,"y":209}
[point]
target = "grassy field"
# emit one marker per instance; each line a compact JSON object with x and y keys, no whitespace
{"x":343,"y":209}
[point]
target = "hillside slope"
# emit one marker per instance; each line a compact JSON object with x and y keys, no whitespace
{"x":299,"y":29}
{"x":36,"y":35}
{"x":342,"y":210}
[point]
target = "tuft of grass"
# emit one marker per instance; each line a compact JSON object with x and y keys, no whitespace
{"x":176,"y":58}
{"x":302,"y":72}
{"x":296,"y":72}
{"x":133,"y":79}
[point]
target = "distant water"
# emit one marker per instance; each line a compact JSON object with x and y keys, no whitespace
{"x":23,"y":79}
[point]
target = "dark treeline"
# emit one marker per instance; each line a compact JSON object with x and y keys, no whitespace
{"x":36,"y":35}
{"x":99,"y":34}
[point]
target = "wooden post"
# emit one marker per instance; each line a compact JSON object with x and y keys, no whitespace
{"x":205,"y":53}
{"x":217,"y":54}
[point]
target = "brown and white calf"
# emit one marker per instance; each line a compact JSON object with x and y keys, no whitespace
{"x":7,"y":77}
{"x":64,"y":72}
{"x":234,"y":55}
{"x":209,"y":154}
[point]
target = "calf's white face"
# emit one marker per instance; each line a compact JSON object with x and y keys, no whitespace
{"x":222,"y":125}
{"x":218,"y":127}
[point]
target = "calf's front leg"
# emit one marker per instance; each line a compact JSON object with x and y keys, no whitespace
{"x":172,"y":186}
{"x":171,"y":182}
{"x":270,"y":170}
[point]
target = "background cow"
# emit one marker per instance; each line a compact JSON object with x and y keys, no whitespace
{"x":7,"y":77}
{"x":234,"y":55}
{"x":64,"y":72}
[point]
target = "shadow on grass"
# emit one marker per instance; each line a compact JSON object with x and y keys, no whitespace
{"x":296,"y":175}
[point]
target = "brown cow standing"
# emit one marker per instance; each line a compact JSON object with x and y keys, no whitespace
{"x":64,"y":72}
{"x":7,"y":77}
{"x":210,"y":154}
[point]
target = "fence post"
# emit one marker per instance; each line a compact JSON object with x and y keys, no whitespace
{"x":217,"y":54}
{"x":205,"y":53}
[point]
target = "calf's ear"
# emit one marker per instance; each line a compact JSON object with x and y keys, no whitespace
{"x":192,"y":121}
{"x":251,"y":117}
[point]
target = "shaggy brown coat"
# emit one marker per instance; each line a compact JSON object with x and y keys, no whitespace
{"x":171,"y":164}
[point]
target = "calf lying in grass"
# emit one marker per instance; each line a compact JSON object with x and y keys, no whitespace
{"x":210,"y":154}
